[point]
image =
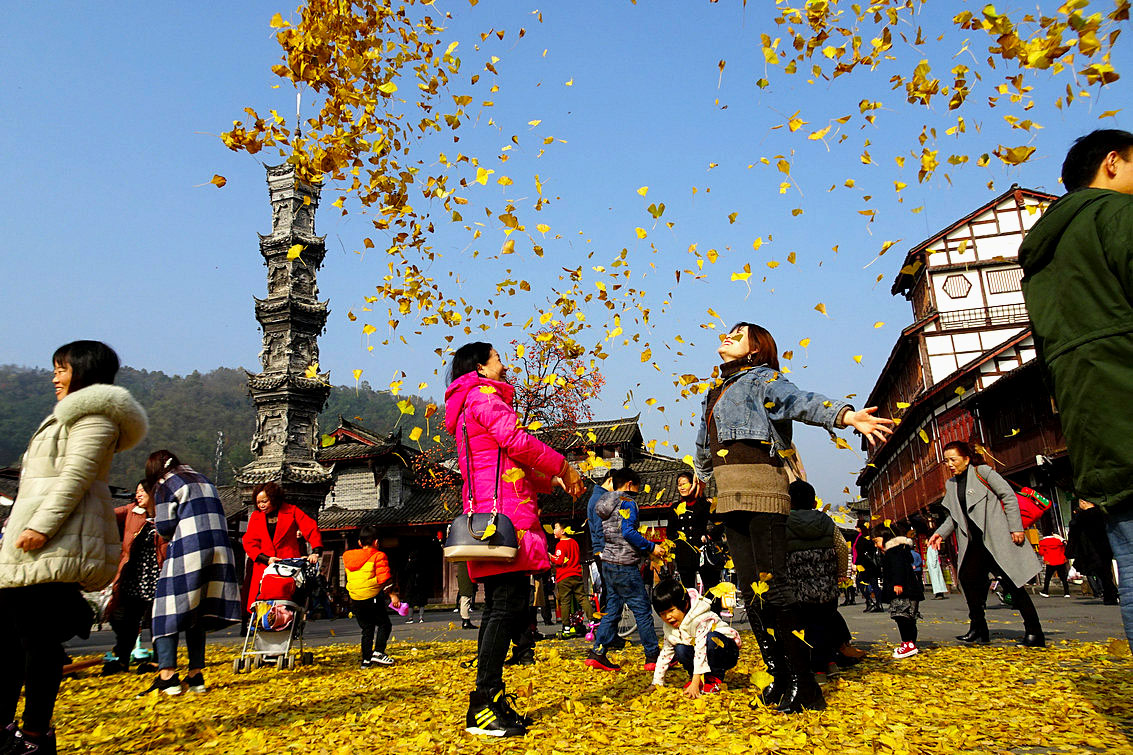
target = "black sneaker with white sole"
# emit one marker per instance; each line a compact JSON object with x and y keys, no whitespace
{"x":381,"y":659}
{"x":195,"y":683}
{"x":22,"y":744}
{"x":487,"y":719}
{"x":170,"y":686}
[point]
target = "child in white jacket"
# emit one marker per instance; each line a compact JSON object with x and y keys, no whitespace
{"x":695,"y":637}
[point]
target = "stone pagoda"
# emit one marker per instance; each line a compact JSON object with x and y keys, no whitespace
{"x":289,"y":393}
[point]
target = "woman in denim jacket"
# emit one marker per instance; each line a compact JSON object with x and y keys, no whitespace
{"x":745,"y":441}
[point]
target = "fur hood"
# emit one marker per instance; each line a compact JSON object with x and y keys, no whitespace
{"x":898,"y":541}
{"x":111,"y":400}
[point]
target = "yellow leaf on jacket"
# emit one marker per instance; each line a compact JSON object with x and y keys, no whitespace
{"x":625,"y":513}
{"x":512,"y":475}
{"x":681,"y":508}
{"x":487,"y":389}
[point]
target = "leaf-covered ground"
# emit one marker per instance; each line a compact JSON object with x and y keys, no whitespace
{"x":1073,"y":697}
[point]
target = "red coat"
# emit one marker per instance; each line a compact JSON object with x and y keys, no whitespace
{"x":289,"y":521}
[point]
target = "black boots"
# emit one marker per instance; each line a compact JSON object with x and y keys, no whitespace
{"x":1033,"y":640}
{"x":777,"y":667}
{"x":976,"y":635}
{"x":803,"y":692}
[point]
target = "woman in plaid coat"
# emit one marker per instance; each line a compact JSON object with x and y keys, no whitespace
{"x":197,"y":591}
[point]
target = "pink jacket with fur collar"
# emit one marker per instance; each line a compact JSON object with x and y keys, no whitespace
{"x":485,"y":407}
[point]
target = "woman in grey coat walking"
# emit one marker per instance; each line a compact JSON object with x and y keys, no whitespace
{"x":197,"y":591}
{"x":984,"y":513}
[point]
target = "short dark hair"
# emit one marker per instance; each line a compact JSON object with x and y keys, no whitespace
{"x":669,"y":593}
{"x":1085,"y":157}
{"x":764,"y":350}
{"x":367,"y":534}
{"x":686,"y":476}
{"x":964,"y":450}
{"x":625,"y":476}
{"x":90,"y":362}
{"x":802,"y":495}
{"x":467,"y":358}
{"x":158,"y":463}
{"x":885,"y":533}
{"x":274,"y":493}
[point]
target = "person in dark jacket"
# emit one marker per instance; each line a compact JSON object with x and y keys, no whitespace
{"x":867,"y":561}
{"x":1090,"y":550}
{"x":901,"y":588}
{"x":1079,"y":292}
{"x":688,"y":529}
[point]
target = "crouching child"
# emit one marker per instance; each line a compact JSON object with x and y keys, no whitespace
{"x":695,"y":637}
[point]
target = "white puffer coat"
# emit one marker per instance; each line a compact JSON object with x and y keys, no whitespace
{"x":64,"y":491}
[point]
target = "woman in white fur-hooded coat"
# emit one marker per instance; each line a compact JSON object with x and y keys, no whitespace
{"x":64,"y":492}
{"x":62,"y":535}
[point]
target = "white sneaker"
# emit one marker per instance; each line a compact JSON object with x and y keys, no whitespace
{"x":1066,"y":595}
{"x":409,"y":620}
{"x":1045,"y":595}
{"x":905,"y":650}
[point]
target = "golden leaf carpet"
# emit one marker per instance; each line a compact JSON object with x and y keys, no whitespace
{"x":1074,"y":697}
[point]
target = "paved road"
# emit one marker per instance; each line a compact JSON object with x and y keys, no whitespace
{"x":1074,"y":618}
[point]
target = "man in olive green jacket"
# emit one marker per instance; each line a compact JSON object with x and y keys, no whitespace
{"x":1078,"y":284}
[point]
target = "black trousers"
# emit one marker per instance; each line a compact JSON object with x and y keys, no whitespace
{"x":974,"y":580}
{"x":907,"y":627}
{"x":507,"y":601}
{"x":1063,"y":574}
{"x":372,"y":617}
{"x":758,"y":545}
{"x":126,"y":621}
{"x":35,"y":621}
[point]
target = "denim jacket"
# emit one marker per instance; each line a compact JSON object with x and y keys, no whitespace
{"x":759,"y":404}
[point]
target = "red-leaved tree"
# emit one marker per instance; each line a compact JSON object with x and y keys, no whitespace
{"x":556,"y":382}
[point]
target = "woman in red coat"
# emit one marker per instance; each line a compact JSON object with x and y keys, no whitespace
{"x":272,"y":531}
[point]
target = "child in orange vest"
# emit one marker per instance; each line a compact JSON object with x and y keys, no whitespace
{"x":369,"y":584}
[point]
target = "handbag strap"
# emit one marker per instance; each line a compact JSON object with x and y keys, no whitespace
{"x":471,"y":476}
{"x":980,"y":477}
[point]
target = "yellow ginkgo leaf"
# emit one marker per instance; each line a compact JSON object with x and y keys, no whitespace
{"x":625,"y":513}
{"x":729,"y":564}
{"x":489,"y":531}
{"x":924,"y":436}
{"x":722,"y":453}
{"x":487,"y":389}
{"x":513,"y":474}
{"x":801,"y":634}
{"x":415,"y":434}
{"x":295,"y":251}
{"x":327,"y":440}
{"x":217,"y":180}
{"x":643,"y":190}
{"x":312,"y":370}
{"x":680,"y":508}
{"x":357,"y":374}
{"x":406,"y":406}
{"x":681,"y":536}
{"x":640,"y":232}
{"x":820,"y":307}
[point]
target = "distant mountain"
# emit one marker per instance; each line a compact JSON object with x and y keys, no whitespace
{"x":185,"y":414}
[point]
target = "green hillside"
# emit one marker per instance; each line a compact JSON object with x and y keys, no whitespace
{"x":185,"y":414}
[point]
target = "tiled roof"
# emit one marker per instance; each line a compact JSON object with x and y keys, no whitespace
{"x":605,"y":432}
{"x":230,"y":500}
{"x":349,"y":450}
{"x":422,"y":507}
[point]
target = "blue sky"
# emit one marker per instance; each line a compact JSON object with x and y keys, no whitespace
{"x":110,"y":120}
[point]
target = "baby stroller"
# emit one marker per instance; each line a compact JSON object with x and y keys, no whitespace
{"x":279,"y":614}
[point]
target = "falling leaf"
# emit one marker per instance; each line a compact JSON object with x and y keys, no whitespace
{"x":295,"y":251}
{"x":218,"y":180}
{"x":415,"y":434}
{"x":820,"y":307}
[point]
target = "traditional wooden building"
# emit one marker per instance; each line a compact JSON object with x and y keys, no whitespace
{"x":966,"y":368}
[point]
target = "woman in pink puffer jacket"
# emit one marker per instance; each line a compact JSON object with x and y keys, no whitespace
{"x":478,"y":400}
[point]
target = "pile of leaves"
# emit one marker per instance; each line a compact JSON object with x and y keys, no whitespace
{"x":1074,"y":697}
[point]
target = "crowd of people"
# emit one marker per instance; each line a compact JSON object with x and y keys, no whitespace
{"x":167,"y":555}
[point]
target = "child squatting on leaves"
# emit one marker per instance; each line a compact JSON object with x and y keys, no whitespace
{"x":695,"y":637}
{"x":369,"y":583}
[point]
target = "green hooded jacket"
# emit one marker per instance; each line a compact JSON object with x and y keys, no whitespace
{"x":1078,"y":284}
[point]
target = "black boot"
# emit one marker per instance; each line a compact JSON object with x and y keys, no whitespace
{"x":776,"y":663}
{"x":803,"y":692}
{"x":977,"y":634}
{"x":1033,"y":640}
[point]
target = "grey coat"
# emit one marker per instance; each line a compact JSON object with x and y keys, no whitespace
{"x":995,"y":511}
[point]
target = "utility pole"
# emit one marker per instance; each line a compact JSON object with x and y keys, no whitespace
{"x":219,"y":455}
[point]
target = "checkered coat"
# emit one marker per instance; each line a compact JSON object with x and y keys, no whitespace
{"x":197,"y":586}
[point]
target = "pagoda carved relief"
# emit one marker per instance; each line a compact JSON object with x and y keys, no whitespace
{"x":289,"y":391}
